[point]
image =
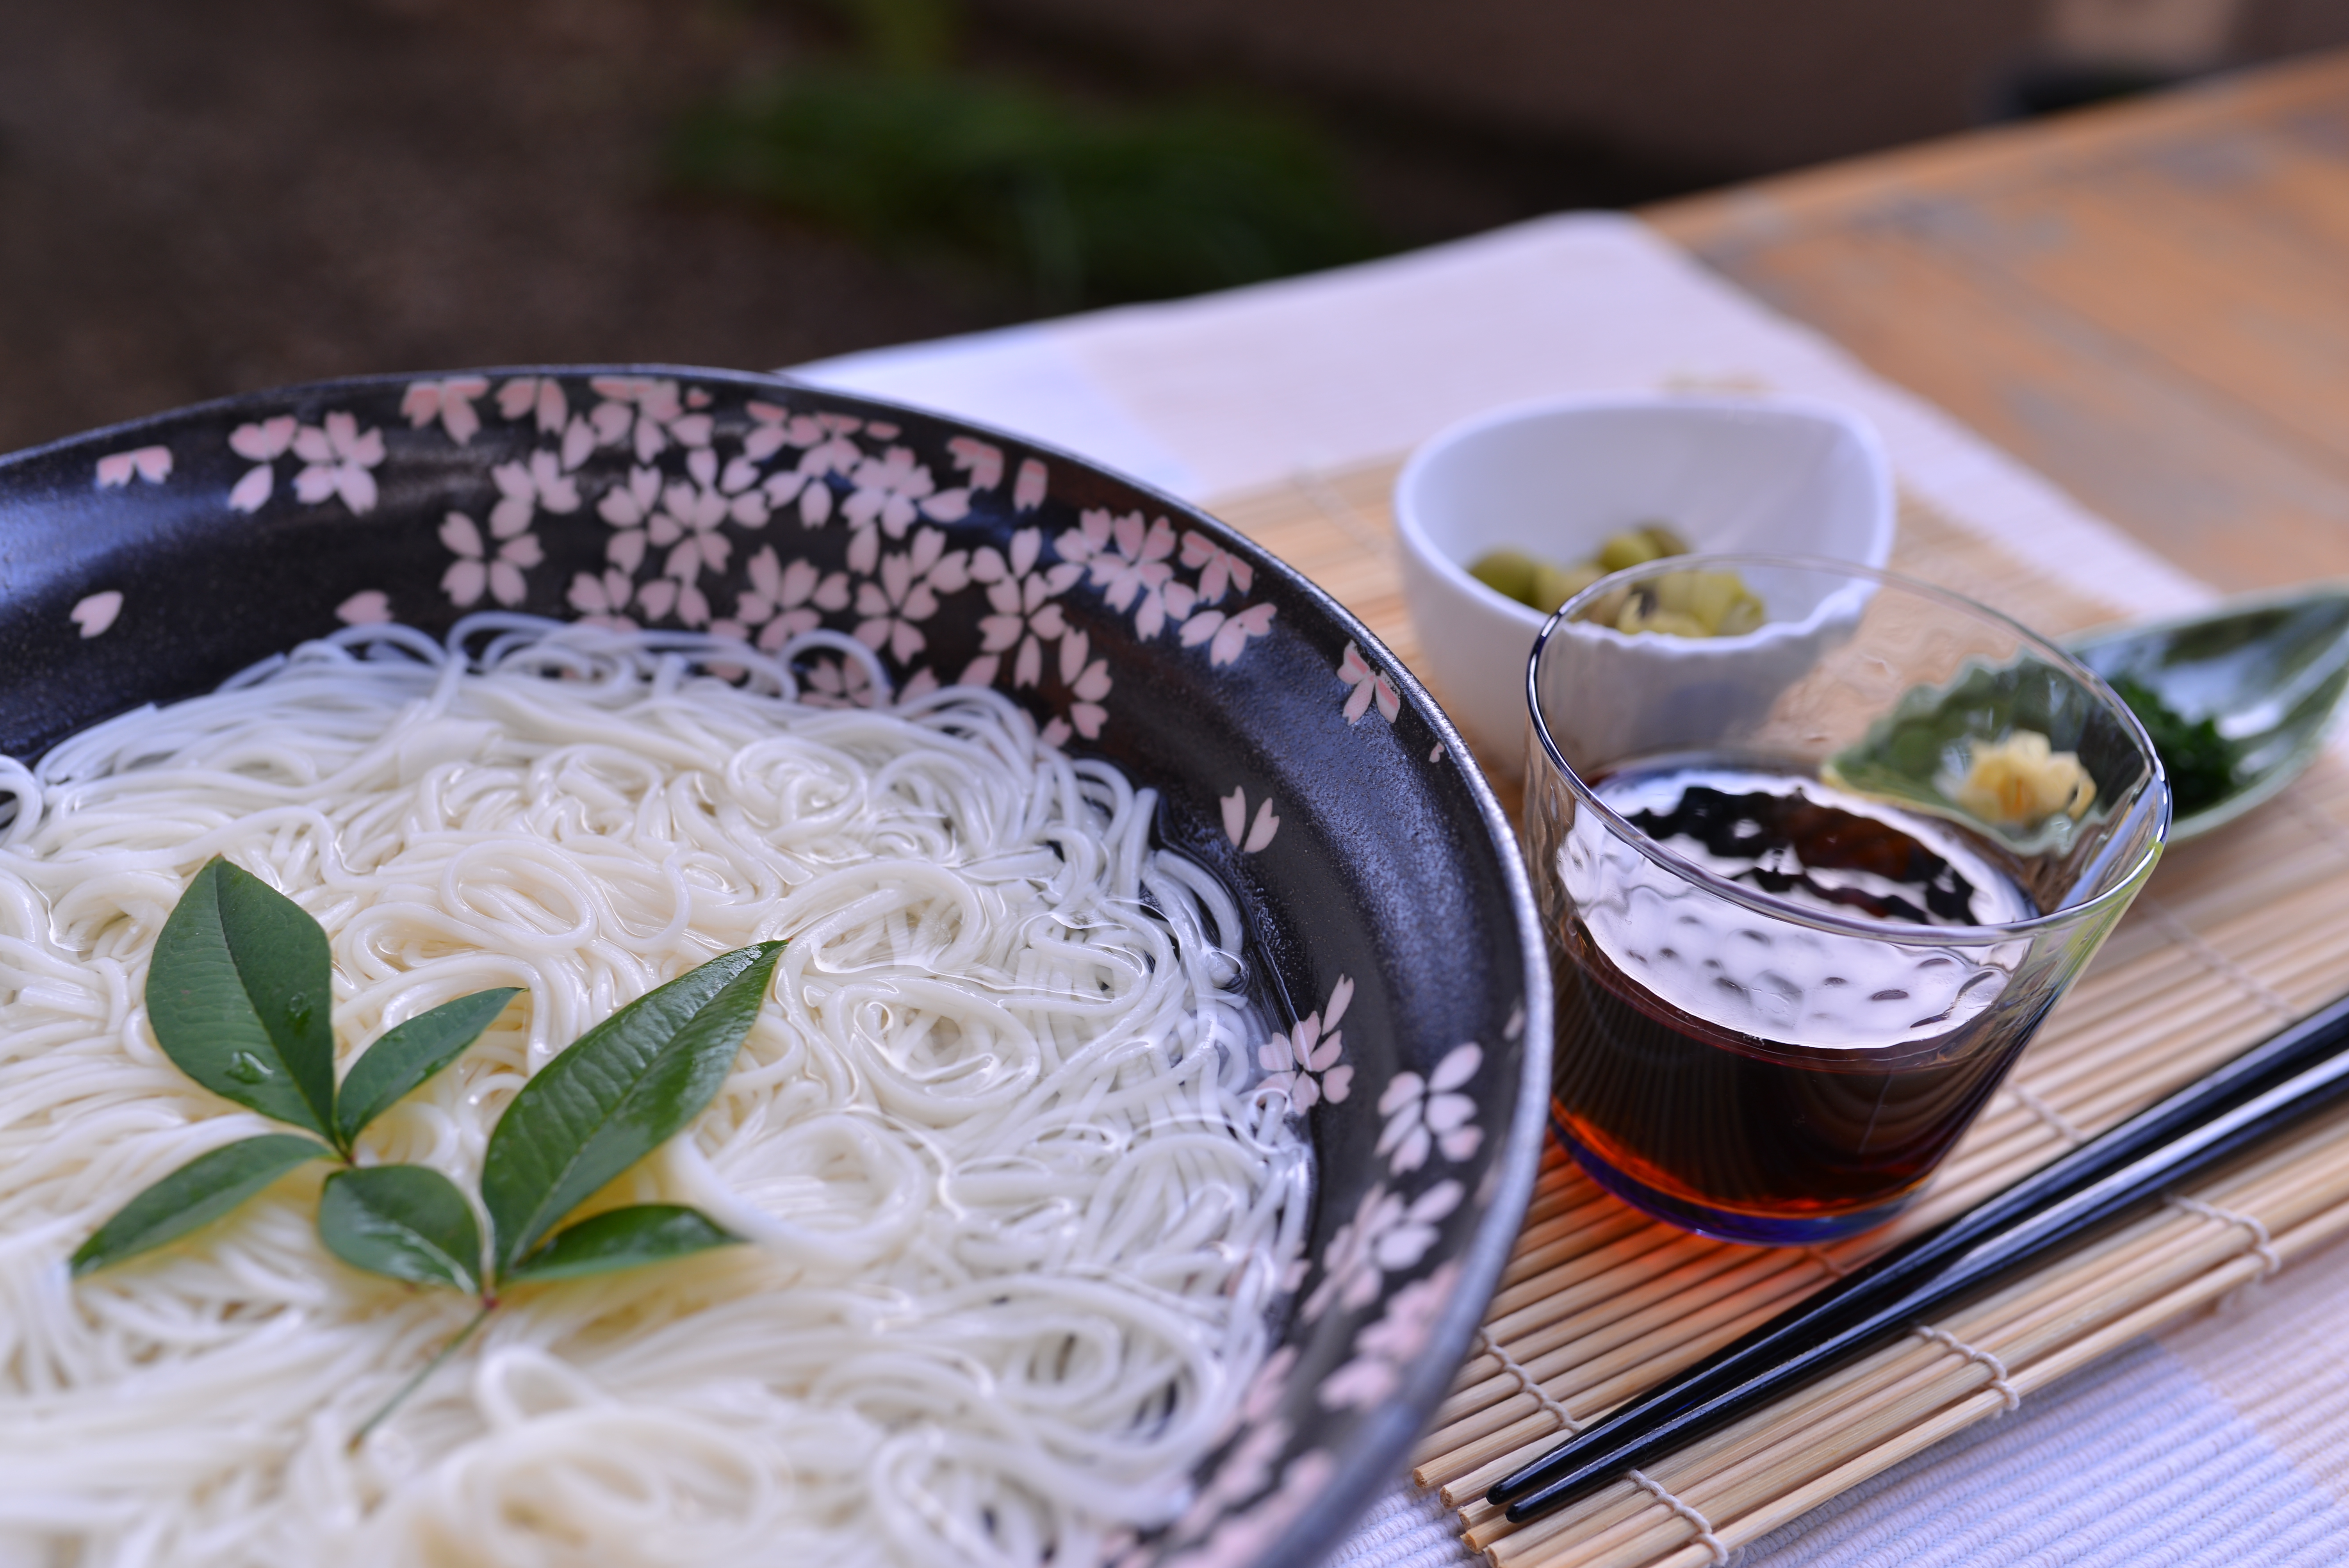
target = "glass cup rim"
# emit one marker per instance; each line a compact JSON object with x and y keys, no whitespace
{"x":2122,"y":891}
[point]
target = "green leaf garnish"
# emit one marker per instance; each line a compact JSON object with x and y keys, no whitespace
{"x":620,"y":1092}
{"x":404,"y":1221}
{"x":402,"y":1061}
{"x":622,"y":1239}
{"x":198,"y":1192}
{"x":240,"y":995}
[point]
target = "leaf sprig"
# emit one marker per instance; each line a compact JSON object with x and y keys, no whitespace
{"x":239,"y":997}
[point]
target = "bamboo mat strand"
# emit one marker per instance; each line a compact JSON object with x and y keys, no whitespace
{"x":2237,"y":935}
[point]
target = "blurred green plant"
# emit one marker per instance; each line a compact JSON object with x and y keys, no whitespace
{"x":1086,"y":204}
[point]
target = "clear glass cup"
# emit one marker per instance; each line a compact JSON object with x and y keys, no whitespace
{"x":1810,"y":887}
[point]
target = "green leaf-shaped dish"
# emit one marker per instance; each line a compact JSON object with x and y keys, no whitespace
{"x":2267,"y":669}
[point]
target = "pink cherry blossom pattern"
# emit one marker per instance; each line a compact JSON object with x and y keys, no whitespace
{"x":688,"y":525}
{"x":1423,"y":1115}
{"x":1386,"y":1349}
{"x":153,"y":464}
{"x":1026,"y":618}
{"x":981,"y":460}
{"x":1385,"y":1235}
{"x":829,"y":451}
{"x":1028,"y":489}
{"x":1365,"y":687}
{"x":1219,"y":570}
{"x":1087,"y":680}
{"x":475,"y":569}
{"x":894,"y":490}
{"x":1132,"y":563}
{"x":1302,"y":1063}
{"x":602,"y":599}
{"x":1245,"y":1536}
{"x":904,"y":593}
{"x":526,"y":487}
{"x":1244,"y":837}
{"x":96,"y":612}
{"x":1226,"y":635}
{"x":628,"y":507}
{"x":646,"y":415}
{"x":336,"y":459}
{"x":840,"y":683}
{"x":369,"y":607}
{"x":784,"y":602}
{"x":1244,"y":1473}
{"x":538,"y":396}
{"x":770,"y":430}
{"x":449,"y":400}
{"x":261,"y":445}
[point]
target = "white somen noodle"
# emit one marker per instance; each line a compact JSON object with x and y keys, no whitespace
{"x":1019,"y":1221}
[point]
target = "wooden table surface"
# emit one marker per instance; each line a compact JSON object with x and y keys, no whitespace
{"x":2147,"y":303}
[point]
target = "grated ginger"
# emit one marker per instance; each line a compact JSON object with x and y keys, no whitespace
{"x":2021,"y":780}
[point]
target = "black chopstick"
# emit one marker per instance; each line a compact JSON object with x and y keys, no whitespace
{"x":2290,"y":1076}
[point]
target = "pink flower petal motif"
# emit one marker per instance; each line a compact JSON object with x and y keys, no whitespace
{"x":541,"y":395}
{"x":336,"y":457}
{"x":96,"y":612}
{"x":658,"y":597}
{"x":253,"y":491}
{"x":1367,"y":687}
{"x":449,"y":400}
{"x":1458,"y":1066}
{"x":355,"y":486}
{"x":464,"y":580}
{"x":578,"y":442}
{"x":948,"y":506}
{"x":1235,"y":822}
{"x":1028,"y":489}
{"x":1219,"y":570}
{"x":153,"y":464}
{"x":371,"y":607}
{"x":600,"y":599}
{"x":1385,"y":1347}
{"x":1226,"y":635}
{"x":981,"y":460}
{"x":460,"y":535}
{"x":888,"y":490}
{"x":769,"y":432}
{"x":265,"y":442}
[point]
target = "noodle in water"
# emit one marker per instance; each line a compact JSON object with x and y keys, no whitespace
{"x":1018,"y":1219}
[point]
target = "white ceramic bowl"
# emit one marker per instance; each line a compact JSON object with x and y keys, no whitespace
{"x":1778,"y":476}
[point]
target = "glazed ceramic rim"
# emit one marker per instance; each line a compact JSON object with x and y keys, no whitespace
{"x":2111,"y":900}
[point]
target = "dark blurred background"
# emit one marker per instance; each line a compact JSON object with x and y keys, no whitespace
{"x":200,"y":197}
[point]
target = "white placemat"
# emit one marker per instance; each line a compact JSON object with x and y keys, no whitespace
{"x":2224,"y":1441}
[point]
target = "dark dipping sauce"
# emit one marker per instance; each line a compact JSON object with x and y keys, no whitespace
{"x":1706,"y":1116}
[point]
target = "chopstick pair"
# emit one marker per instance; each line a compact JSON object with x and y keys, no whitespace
{"x":2291,"y":1075}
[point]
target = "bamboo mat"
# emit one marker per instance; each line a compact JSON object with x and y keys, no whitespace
{"x":2237,"y":934}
